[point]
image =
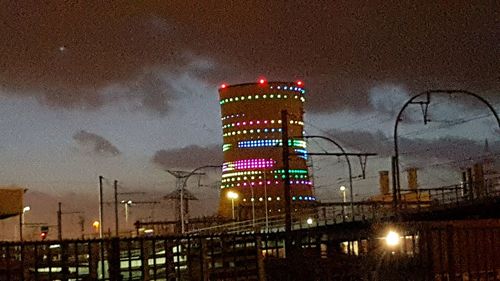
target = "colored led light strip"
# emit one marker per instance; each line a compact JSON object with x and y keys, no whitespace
{"x":292,"y":171}
{"x":289,"y":88}
{"x":258,"y":163}
{"x":232,"y":116}
{"x":252,"y":131}
{"x":259,"y":123}
{"x":261,"y":96}
{"x":239,"y":178}
{"x":260,"y":183}
{"x":270,"y":143}
{"x":302,"y":153}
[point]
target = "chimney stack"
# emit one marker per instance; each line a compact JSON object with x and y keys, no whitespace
{"x":479,"y":179}
{"x":384,"y":182}
{"x":412,"y":179}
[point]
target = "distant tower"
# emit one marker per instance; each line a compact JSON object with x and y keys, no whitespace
{"x":253,"y":166}
{"x":491,"y":176}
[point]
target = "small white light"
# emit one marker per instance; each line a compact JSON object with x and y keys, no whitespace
{"x":309,"y":221}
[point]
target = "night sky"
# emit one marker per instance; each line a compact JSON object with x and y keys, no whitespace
{"x":128,"y":89}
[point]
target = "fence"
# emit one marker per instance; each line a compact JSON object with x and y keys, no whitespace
{"x":353,"y":251}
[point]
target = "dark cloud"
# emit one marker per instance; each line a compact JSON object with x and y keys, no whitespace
{"x":188,"y":157}
{"x":453,"y":151}
{"x":98,"y":145}
{"x":341,"y":48}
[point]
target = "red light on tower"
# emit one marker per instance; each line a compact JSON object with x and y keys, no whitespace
{"x":223,"y":86}
{"x":299,"y":83}
{"x":262,"y":81}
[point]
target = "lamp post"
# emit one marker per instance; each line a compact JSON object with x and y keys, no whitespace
{"x":253,"y":206}
{"x":348,"y":165}
{"x":101,"y":206}
{"x":342,"y":189}
{"x":21,"y":222}
{"x":126,"y":203}
{"x":252,"y":201}
{"x":265,"y":205}
{"x":232,"y":196}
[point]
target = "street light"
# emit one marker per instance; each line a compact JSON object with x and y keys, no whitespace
{"x":126,"y":204}
{"x":233,"y":196}
{"x":252,"y":200}
{"x":265,"y":205}
{"x":21,"y":222}
{"x":96,"y":225}
{"x":342,"y":189}
{"x":392,"y":238}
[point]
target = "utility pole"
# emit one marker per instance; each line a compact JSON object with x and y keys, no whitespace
{"x":21,"y":223}
{"x":59,"y":222}
{"x":81,"y":221}
{"x":116,"y":207}
{"x":286,"y":167}
{"x":181,"y":182}
{"x":101,"y":207}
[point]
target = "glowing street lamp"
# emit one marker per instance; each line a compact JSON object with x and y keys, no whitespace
{"x":96,"y":225}
{"x":342,"y":189}
{"x":392,"y":238}
{"x":21,"y":222}
{"x":233,"y":196}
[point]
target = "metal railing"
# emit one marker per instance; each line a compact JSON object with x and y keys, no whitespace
{"x":425,"y":251}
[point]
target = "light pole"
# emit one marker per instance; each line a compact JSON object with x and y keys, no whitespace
{"x":125,"y":205}
{"x":349,"y":168}
{"x":348,"y":165}
{"x":21,"y":222}
{"x":233,"y":196}
{"x":342,"y":189}
{"x":265,"y":205}
{"x":101,"y":206}
{"x":253,"y":206}
{"x":252,"y":201}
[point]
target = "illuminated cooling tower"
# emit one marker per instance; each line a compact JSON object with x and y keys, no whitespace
{"x":252,"y":174}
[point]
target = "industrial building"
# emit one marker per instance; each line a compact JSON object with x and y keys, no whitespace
{"x":253,"y":174}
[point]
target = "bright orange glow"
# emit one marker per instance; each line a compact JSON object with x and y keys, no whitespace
{"x":299,"y":83}
{"x":95,"y":224}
